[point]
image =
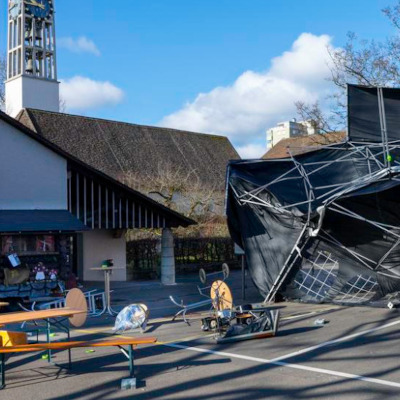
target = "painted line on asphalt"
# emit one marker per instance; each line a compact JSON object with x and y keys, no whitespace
{"x":287,"y":365}
{"x":279,"y":360}
{"x":335,"y":341}
{"x":93,"y":331}
{"x":186,"y":339}
{"x":105,"y":329}
{"x":308,"y":314}
{"x":196,"y":316}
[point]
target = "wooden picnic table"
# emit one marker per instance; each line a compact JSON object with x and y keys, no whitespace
{"x":115,"y":342}
{"x":53,"y":317}
{"x":22,"y":316}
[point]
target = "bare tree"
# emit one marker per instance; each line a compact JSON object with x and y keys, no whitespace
{"x":183,"y":191}
{"x":312,"y":112}
{"x":3,"y":77}
{"x":359,"y":61}
{"x":393,"y":13}
{"x":179,"y":189}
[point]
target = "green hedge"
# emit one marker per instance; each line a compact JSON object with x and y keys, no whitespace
{"x":143,"y":256}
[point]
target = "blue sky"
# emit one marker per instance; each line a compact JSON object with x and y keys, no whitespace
{"x":149,"y":61}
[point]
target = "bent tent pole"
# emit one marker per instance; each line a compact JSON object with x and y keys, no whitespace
{"x":327,"y":237}
{"x":345,"y":211}
{"x":382,"y":120}
{"x":284,"y":271}
{"x":227,"y":180}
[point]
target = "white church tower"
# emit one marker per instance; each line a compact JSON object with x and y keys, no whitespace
{"x":31,"y":51}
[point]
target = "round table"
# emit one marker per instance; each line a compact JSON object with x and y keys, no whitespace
{"x":107,"y":273}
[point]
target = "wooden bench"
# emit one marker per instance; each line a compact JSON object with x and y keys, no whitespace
{"x":116,"y":342}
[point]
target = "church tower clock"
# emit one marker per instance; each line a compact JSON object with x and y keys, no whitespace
{"x":31,"y":57}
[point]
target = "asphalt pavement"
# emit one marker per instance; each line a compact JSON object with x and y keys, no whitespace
{"x":354,"y":355}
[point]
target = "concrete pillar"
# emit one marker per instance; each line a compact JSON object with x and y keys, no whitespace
{"x":167,"y":258}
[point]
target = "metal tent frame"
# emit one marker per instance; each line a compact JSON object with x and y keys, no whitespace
{"x":381,"y":168}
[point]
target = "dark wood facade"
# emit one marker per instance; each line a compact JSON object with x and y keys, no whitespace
{"x":102,"y":203}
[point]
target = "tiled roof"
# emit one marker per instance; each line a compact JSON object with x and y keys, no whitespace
{"x":117,"y":148}
{"x":303,"y":144}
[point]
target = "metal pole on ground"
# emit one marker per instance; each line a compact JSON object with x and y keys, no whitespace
{"x":240,"y":252}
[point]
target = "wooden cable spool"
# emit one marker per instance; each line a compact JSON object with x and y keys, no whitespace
{"x":221,"y":296}
{"x":76,"y":300}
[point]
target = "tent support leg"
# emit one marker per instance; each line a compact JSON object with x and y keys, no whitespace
{"x":284,"y":271}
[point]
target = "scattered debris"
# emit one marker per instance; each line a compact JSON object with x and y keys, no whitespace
{"x":204,"y":277}
{"x":230,"y":323}
{"x":132,"y":317}
{"x":391,"y":305}
{"x":129,"y":383}
{"x":320,"y":322}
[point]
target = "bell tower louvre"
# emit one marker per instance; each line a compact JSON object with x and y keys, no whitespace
{"x":31,"y":57}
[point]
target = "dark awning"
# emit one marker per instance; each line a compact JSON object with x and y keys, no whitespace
{"x":39,"y":221}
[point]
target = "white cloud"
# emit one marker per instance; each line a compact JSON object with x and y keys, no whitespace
{"x":252,"y":150}
{"x":80,"y":45}
{"x":81,"y":93}
{"x":258,"y":100}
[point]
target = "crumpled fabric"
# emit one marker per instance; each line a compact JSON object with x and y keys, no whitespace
{"x":131,"y":317}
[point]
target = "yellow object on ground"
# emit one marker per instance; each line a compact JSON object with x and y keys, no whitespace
{"x":8,"y":338}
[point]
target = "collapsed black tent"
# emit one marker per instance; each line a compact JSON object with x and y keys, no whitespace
{"x":325,"y":225}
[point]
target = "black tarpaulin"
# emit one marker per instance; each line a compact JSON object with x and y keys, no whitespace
{"x":364,"y":116}
{"x":324,"y":225}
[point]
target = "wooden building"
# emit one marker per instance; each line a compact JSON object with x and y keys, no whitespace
{"x":146,"y":158}
{"x":60,"y":211}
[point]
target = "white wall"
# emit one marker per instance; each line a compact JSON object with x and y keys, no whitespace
{"x":288,"y":129}
{"x":31,"y":176}
{"x":27,"y":92}
{"x":99,"y":245}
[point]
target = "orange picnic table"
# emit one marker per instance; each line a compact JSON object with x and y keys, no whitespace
{"x":22,"y":316}
{"x":54,"y":317}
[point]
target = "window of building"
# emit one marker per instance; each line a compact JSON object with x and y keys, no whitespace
{"x":28,"y":244}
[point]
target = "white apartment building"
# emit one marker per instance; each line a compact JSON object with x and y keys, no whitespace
{"x":288,"y":129}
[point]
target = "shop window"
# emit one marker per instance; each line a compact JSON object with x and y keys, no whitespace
{"x":24,"y":245}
